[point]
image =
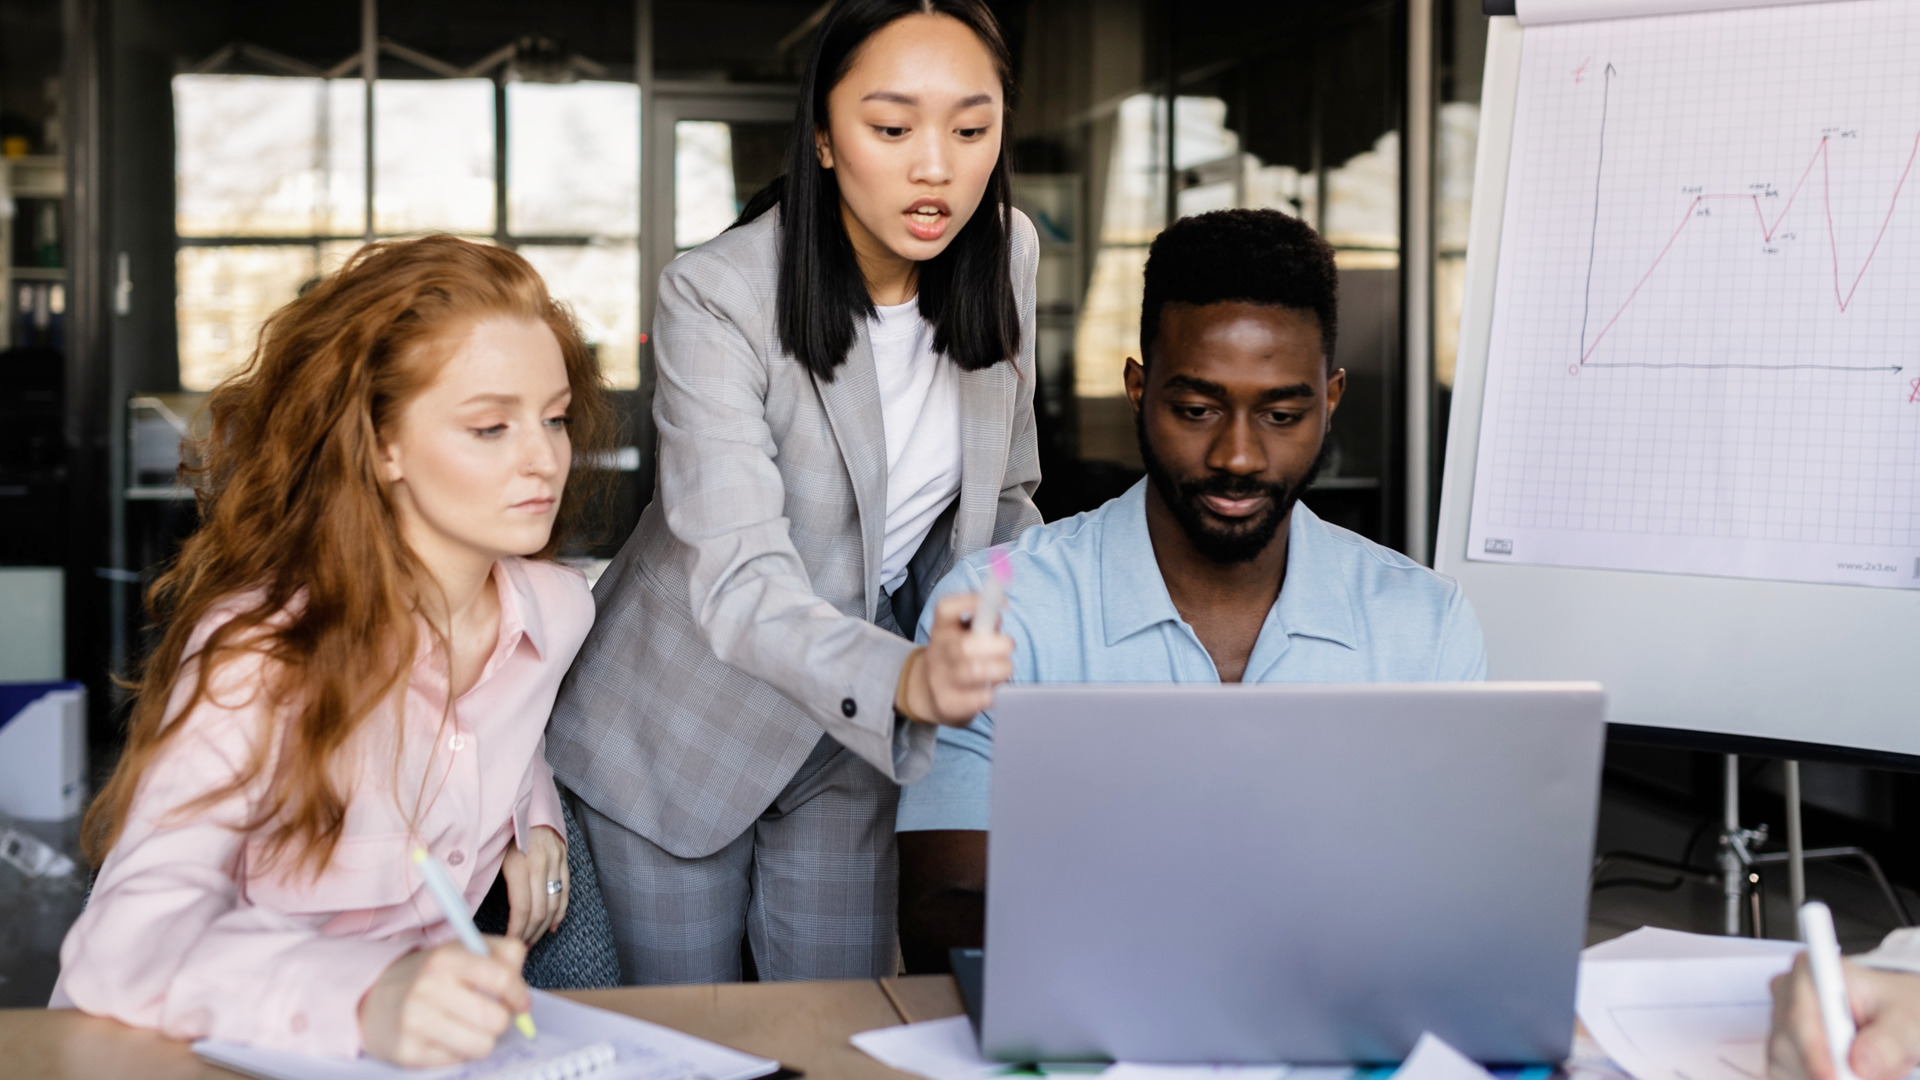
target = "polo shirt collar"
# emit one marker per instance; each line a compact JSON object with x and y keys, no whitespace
{"x":1314,"y":600}
{"x":1133,"y":595}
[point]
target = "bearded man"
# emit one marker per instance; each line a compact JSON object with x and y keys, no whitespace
{"x":1208,"y":570}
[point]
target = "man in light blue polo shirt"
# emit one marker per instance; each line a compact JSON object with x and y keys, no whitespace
{"x":1208,"y":570}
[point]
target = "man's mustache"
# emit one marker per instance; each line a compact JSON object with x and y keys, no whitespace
{"x":1228,"y":486}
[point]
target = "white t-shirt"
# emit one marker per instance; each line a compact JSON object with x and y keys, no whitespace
{"x":920,"y":411}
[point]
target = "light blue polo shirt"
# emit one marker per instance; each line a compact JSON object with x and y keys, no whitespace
{"x":1088,"y":605}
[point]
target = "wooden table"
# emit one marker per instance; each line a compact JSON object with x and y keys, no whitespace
{"x":804,"y":1025}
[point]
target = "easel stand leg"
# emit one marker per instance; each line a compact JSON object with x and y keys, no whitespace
{"x":1797,"y":856}
{"x":1796,"y":843}
{"x":1739,"y":881}
{"x":1732,"y":871}
{"x":1741,"y":861}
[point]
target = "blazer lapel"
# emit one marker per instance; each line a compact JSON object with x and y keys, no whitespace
{"x":852,"y":401}
{"x":984,"y":415}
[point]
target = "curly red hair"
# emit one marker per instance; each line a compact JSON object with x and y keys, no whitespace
{"x":297,"y":525}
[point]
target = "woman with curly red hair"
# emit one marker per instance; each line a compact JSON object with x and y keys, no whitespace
{"x":361,"y":644}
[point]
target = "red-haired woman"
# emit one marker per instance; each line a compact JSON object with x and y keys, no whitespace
{"x":363,"y":641}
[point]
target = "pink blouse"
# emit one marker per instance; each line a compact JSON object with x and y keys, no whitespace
{"x":189,"y":932}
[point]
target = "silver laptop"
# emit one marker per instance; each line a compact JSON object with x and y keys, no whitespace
{"x":1302,"y":874}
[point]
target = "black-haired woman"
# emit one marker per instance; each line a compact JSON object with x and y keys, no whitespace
{"x":845,"y":407}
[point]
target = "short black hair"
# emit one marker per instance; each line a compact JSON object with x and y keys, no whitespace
{"x":965,"y":292}
{"x":1254,"y":256}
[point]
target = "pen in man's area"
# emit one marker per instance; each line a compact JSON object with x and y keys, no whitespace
{"x":454,"y":906}
{"x":993,"y":593}
{"x":1829,"y":985}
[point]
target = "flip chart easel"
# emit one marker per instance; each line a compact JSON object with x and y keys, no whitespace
{"x":1780,"y":654}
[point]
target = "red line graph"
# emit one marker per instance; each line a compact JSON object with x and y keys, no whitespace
{"x":1768,"y":231}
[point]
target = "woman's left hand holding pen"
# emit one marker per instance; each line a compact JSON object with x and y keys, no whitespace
{"x":444,"y":1005}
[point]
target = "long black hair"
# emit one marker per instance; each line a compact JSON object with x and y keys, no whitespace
{"x":966,"y":291}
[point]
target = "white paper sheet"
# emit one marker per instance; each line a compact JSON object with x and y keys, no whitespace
{"x":1654,"y":943}
{"x":947,"y":1050}
{"x":1709,"y":227}
{"x":936,"y":1049}
{"x":1434,"y":1059}
{"x":1671,"y":1006}
{"x":1127,"y":1070}
{"x":1135,"y":1071}
{"x":644,"y":1052}
{"x":1538,"y":12}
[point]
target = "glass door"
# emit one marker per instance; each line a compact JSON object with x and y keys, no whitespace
{"x":711,"y":153}
{"x":707,"y":154}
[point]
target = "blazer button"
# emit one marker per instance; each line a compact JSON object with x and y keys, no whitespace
{"x":847,"y":707}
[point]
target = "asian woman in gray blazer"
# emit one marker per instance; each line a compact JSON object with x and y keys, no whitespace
{"x":845,"y":407}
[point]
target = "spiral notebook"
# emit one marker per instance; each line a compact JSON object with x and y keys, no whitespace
{"x":577,"y":1042}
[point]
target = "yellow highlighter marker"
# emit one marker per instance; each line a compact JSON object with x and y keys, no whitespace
{"x":454,"y":906}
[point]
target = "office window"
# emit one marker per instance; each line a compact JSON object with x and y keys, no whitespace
{"x":573,"y":159}
{"x":1169,"y":111}
{"x":1363,"y":206}
{"x":703,"y":195}
{"x":1131,"y":209}
{"x":573,"y":206}
{"x":1206,"y":154}
{"x":433,"y":156}
{"x":259,"y":160}
{"x":600,"y":281}
{"x":224,"y":294}
{"x":1456,"y":140}
{"x":271,"y":193}
{"x":1462,"y":39}
{"x":261,"y":155}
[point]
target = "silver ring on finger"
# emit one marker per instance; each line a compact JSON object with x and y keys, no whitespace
{"x":555,"y":888}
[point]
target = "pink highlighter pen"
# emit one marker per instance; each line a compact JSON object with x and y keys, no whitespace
{"x":993,"y":592}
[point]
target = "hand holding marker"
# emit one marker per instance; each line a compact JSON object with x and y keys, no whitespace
{"x":950,"y":679}
{"x":454,"y":907}
{"x":1829,"y":985}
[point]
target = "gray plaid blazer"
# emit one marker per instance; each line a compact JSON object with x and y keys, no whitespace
{"x":739,"y":620}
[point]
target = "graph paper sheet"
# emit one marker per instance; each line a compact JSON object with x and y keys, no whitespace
{"x":1705,"y":353}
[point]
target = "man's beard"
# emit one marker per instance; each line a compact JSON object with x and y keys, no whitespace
{"x":1236,"y":543}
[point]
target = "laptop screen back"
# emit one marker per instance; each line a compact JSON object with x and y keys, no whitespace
{"x":1288,"y":873}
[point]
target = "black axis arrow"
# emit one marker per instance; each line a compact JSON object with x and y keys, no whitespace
{"x":1593,"y":239}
